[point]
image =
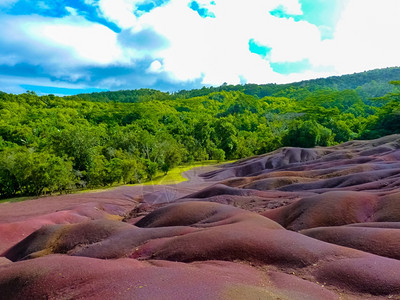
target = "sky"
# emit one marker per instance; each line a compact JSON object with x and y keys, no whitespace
{"x":67,"y":47}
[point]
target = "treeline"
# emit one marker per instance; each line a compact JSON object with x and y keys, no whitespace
{"x":369,"y":84}
{"x":57,"y":144}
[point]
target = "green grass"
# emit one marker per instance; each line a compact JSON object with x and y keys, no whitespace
{"x":174,"y":176}
{"x":17,"y":199}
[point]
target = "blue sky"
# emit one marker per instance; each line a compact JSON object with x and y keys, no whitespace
{"x":72,"y":46}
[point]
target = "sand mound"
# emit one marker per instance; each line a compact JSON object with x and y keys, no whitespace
{"x":327,"y":209}
{"x":296,"y":223}
{"x":69,"y":277}
{"x":380,"y":241}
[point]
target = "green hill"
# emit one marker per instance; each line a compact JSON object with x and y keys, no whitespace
{"x":368,"y":84}
{"x":52,"y":144}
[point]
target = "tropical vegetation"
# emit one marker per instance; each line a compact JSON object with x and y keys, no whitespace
{"x":54,"y":144}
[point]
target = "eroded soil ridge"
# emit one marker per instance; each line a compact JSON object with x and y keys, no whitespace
{"x":320,"y":223}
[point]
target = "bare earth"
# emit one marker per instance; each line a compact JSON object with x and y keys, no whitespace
{"x":320,"y":223}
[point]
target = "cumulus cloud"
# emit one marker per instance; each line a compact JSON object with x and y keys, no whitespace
{"x":18,"y":84}
{"x":55,"y":52}
{"x":217,"y":49}
{"x":71,"y":40}
{"x":155,"y":67}
{"x":365,"y":37}
{"x":119,"y":12}
{"x":173,"y":44}
{"x":87,"y":42}
{"x":7,"y":3}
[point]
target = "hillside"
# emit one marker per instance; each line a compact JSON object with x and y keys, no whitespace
{"x":368,"y":84}
{"x":310,"y":210}
{"x":296,"y":223}
{"x":52,"y":144}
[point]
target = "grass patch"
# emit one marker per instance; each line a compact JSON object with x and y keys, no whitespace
{"x":17,"y":199}
{"x":174,"y":176}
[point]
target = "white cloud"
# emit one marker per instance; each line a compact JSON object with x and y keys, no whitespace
{"x":6,"y":3}
{"x":119,"y":11}
{"x":155,"y":67}
{"x":72,"y":11}
{"x":12,"y":84}
{"x":86,"y":42}
{"x":292,"y":7}
{"x":217,"y":49}
{"x":43,"y":5}
{"x":366,"y":37}
{"x":290,"y":41}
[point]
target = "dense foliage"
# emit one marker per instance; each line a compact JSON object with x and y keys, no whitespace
{"x":55,"y":144}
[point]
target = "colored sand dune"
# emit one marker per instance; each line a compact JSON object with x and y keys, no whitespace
{"x":320,"y":223}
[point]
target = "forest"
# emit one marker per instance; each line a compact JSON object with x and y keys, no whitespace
{"x":51,"y":144}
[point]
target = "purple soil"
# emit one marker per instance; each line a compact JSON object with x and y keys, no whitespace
{"x":327,"y":209}
{"x":296,"y":223}
{"x":380,"y":241}
{"x":18,"y":220}
{"x":67,"y":277}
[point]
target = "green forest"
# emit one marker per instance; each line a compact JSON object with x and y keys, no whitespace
{"x":51,"y":144}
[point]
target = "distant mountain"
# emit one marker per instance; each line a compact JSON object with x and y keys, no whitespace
{"x":123,"y":96}
{"x":368,"y":84}
{"x":56,"y":144}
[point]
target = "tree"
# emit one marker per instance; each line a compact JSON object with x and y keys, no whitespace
{"x":226,"y":137}
{"x":218,"y":154}
{"x":151,"y":169}
{"x":78,"y":142}
{"x":307,"y":134}
{"x":27,"y":172}
{"x":97,"y":171}
{"x":132,"y":170}
{"x":114,"y":171}
{"x":388,"y":117}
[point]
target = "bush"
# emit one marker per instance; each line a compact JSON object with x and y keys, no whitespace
{"x":307,"y":134}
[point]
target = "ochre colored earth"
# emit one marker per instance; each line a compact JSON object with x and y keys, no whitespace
{"x":320,"y":223}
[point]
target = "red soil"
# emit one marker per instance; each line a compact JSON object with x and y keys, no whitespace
{"x":297,"y":223}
